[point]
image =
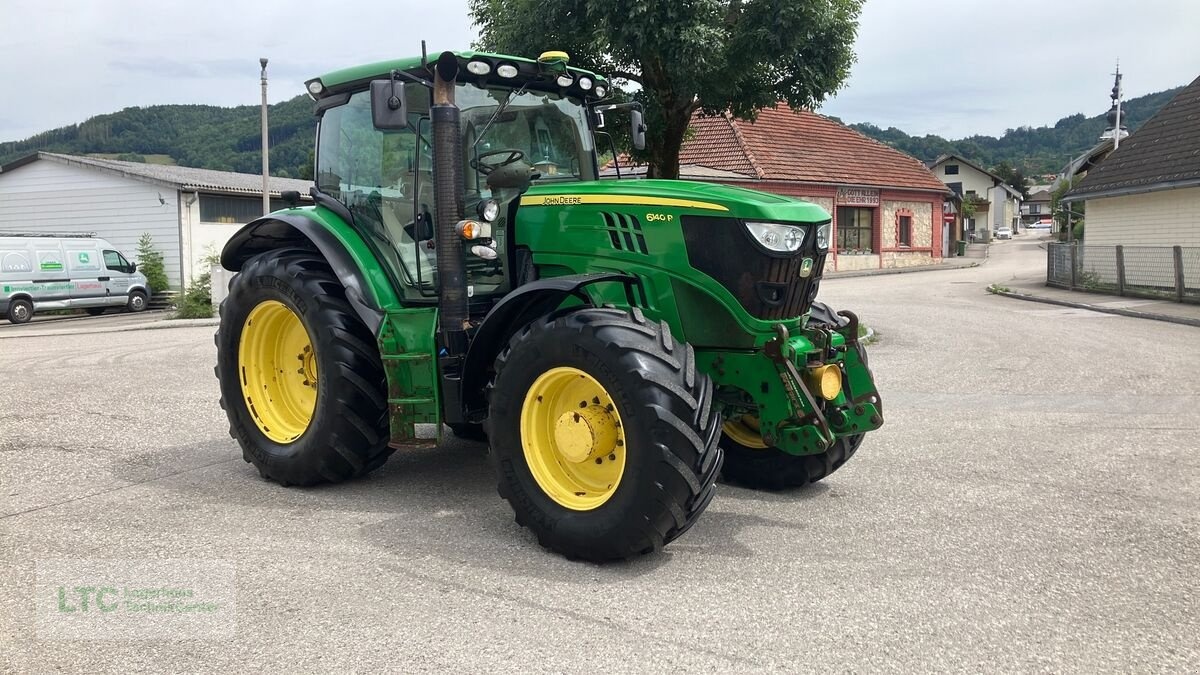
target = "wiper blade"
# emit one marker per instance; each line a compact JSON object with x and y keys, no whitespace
{"x":499,"y":110}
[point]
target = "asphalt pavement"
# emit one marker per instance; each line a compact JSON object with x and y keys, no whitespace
{"x":1030,"y":504}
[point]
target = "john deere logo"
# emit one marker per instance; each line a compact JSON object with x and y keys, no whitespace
{"x":806,"y":267}
{"x":84,"y":258}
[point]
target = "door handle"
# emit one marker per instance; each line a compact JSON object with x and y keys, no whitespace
{"x":103,"y":279}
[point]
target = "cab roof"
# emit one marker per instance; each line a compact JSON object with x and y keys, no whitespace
{"x":529,"y":70}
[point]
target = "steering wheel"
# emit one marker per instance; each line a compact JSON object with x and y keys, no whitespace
{"x":511,"y":156}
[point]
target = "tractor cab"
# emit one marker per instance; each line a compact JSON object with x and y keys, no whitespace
{"x":520,"y":123}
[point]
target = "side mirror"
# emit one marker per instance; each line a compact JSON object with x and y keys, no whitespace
{"x":388,"y":109}
{"x":132,"y":268}
{"x":637,"y":129}
{"x":598,"y":120}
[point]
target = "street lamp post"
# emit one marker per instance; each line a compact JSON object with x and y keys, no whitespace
{"x":266,"y":158}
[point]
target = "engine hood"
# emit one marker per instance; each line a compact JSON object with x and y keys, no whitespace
{"x":686,"y":196}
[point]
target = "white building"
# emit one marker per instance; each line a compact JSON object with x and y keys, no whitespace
{"x":997,"y":204}
{"x":1147,"y":191}
{"x":188,"y":212}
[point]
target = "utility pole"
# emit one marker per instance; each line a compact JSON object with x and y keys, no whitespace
{"x":266,"y":168}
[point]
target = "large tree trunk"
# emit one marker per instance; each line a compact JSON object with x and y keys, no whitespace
{"x":676,"y":109}
{"x":664,"y":153}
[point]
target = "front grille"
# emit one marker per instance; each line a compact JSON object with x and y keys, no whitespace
{"x":767,"y":286}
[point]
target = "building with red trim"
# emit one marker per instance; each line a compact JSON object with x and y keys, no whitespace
{"x":887,"y":207}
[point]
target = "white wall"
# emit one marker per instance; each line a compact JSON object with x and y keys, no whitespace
{"x":970,"y":177}
{"x":46,"y":196}
{"x":1165,"y":218}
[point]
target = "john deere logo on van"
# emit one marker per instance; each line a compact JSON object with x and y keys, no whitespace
{"x":84,"y":258}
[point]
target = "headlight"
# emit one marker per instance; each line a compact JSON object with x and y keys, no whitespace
{"x":777,"y":236}
{"x":601,"y":90}
{"x":479,"y":67}
{"x":585,"y":83}
{"x":823,"y":236}
{"x":506,"y":70}
{"x":315,"y":87}
{"x":565,"y":80}
{"x":489,"y":210}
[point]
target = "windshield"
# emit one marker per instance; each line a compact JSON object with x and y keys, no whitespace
{"x":550,"y":133}
{"x":385,"y":178}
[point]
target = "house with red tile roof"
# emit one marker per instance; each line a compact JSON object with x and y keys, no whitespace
{"x":887,"y":207}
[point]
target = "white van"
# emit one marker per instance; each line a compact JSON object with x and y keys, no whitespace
{"x":39,"y":271}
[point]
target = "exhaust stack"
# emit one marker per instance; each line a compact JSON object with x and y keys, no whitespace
{"x":448,"y":200}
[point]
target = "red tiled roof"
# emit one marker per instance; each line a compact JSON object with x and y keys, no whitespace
{"x":787,"y":145}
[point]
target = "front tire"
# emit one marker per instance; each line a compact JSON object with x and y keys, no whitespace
{"x":753,"y":464}
{"x":603,"y":434}
{"x":301,"y":378}
{"x":137,"y":302}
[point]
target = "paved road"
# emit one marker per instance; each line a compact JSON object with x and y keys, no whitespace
{"x":1031,"y":503}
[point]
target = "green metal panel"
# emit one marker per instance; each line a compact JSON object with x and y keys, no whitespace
{"x":408,"y":344}
{"x":570,"y":230}
{"x":406,"y":337}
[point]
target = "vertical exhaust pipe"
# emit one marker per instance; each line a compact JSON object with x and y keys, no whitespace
{"x":448,"y":200}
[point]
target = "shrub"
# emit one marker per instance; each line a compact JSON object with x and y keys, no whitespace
{"x":150,"y":263}
{"x":196,"y":301}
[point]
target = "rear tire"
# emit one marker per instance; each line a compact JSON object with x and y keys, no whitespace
{"x":346,"y":433}
{"x":769,"y":468}
{"x":20,"y":311}
{"x":661,"y":431}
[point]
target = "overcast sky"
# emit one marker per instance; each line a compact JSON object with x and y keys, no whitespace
{"x":950,"y":67}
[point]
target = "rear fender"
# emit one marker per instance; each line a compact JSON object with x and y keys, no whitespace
{"x":303,"y":228}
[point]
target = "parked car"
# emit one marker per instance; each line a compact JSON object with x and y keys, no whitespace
{"x":1004,"y":233}
{"x":39,"y":272}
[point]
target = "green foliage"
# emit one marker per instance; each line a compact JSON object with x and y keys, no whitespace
{"x":967,"y":209}
{"x":203,"y":136}
{"x":150,"y":263}
{"x":1035,"y":151}
{"x":196,"y":302}
{"x":688,"y":55}
{"x":1060,"y":210}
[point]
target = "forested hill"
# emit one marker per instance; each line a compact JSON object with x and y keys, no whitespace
{"x":1039,"y":150}
{"x":204,"y":136}
{"x":227,"y":139}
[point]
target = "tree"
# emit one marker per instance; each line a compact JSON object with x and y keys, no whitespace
{"x":1013,"y":177}
{"x":150,"y":263}
{"x":687,"y":55}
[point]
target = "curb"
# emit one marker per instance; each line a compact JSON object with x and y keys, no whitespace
{"x":1182,"y":320}
{"x":901,"y":270}
{"x":161,"y":324}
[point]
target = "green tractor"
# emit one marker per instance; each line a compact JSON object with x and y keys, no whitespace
{"x":619,"y":344}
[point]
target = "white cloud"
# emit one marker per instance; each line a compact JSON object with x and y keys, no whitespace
{"x":952,"y":67}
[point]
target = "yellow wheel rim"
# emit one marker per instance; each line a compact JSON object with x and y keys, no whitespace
{"x":279,"y":371}
{"x":744,"y":430}
{"x":573,"y":439}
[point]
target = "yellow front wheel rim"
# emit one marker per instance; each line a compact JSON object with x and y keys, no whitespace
{"x":573,"y":438}
{"x":744,"y":430}
{"x":278,"y":369}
